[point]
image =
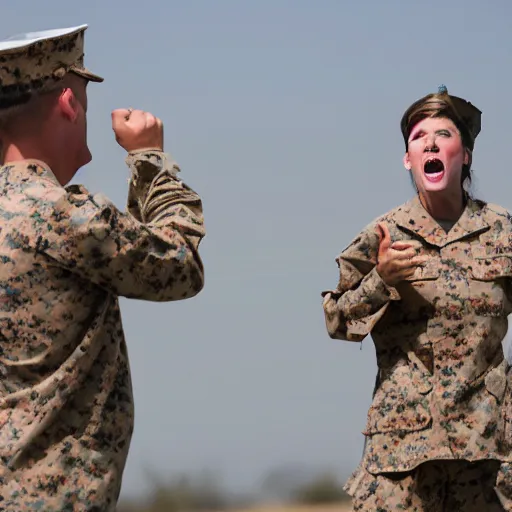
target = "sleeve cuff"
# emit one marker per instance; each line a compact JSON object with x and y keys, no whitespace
{"x":149,"y":162}
{"x":381,"y":288}
{"x":375,"y":287}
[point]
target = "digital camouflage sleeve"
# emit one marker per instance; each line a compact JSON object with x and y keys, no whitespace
{"x":66,"y":403}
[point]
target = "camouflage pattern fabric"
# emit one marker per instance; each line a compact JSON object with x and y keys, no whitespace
{"x":444,"y":386}
{"x":439,"y":486}
{"x":66,"y":405}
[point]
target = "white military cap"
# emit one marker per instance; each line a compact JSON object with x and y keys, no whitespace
{"x":36,"y":62}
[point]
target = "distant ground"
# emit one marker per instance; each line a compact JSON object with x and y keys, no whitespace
{"x":340,"y":507}
{"x":331,"y":508}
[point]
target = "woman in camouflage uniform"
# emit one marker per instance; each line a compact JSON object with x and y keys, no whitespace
{"x":431,"y":282}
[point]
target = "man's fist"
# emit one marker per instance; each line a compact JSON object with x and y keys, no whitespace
{"x":136,"y":130}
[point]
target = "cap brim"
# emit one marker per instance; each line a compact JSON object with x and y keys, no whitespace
{"x":85,"y":73}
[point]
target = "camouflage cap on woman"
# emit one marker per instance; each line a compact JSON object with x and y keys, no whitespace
{"x":466,"y":116}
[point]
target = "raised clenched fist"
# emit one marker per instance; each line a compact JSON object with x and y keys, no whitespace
{"x":136,"y":130}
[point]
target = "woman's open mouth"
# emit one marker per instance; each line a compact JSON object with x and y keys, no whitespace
{"x":434,"y":170}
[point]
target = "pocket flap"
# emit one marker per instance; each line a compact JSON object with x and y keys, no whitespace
{"x":398,"y":404}
{"x":489,"y":264}
{"x":430,"y":271}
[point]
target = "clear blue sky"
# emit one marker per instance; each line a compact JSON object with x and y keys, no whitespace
{"x":284,"y":115}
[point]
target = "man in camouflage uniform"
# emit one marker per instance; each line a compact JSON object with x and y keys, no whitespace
{"x":434,"y":293}
{"x":66,"y":405}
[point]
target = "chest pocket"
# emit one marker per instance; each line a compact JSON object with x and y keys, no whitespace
{"x":428,"y":272}
{"x":431,"y":269}
{"x":491,"y":273}
{"x":490,"y":266}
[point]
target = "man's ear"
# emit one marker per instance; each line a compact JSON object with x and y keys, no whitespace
{"x":68,"y":104}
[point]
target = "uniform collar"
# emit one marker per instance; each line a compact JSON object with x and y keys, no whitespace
{"x":414,"y":218}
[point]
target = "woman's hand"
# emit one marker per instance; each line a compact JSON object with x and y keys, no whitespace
{"x":396,"y":261}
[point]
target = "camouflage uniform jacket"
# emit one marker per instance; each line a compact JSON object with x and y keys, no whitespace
{"x":443,"y":390}
{"x":66,"y":408}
